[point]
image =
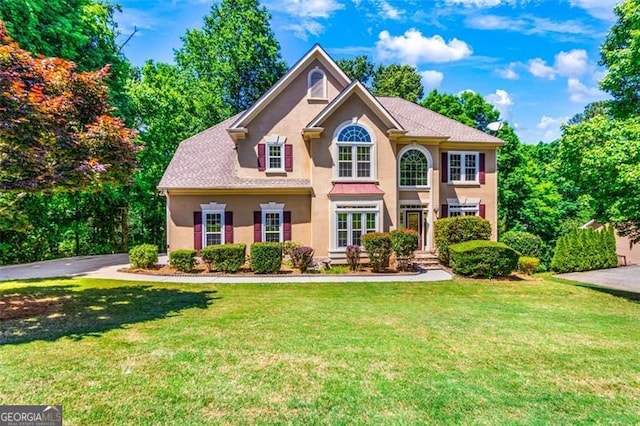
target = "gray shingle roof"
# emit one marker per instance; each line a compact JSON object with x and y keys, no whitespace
{"x":419,"y":121}
{"x":209,"y":160}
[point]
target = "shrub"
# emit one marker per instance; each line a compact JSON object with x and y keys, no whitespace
{"x":266,"y":257}
{"x":288,"y":246}
{"x":527,"y":264}
{"x":526,"y":243}
{"x":405,"y":242}
{"x":585,"y":250}
{"x":302,"y":258}
{"x":353,"y":256}
{"x":183,"y":260}
{"x":481,"y":258}
{"x":225,"y":257}
{"x":378,"y":246}
{"x":459,"y":229}
{"x":143,"y":256}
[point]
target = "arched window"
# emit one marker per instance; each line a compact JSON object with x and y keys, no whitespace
{"x":317,"y":84}
{"x":413,"y":168}
{"x":354,"y":152}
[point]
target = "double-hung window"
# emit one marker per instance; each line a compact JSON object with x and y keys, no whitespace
{"x":213,"y":231}
{"x":353,"y":221}
{"x":355,"y":153}
{"x":463,"y":167}
{"x":464,"y":210}
{"x":272,"y":222}
{"x":275,"y":156}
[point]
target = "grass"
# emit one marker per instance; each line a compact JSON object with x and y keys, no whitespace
{"x":446,"y":352}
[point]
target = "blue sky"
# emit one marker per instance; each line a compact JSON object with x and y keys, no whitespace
{"x":535,"y":60}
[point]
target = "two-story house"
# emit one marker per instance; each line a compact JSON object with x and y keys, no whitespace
{"x":319,"y":160}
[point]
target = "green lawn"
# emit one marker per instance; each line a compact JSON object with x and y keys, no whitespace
{"x":447,"y":352}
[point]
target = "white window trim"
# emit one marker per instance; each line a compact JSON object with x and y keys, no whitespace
{"x":324,"y":96}
{"x":274,"y":140}
{"x":272,"y":208}
{"x":212,"y":208}
{"x":354,"y":157}
{"x":463,"y":206}
{"x":462,"y":180}
{"x":429,"y":166}
{"x":334,"y":210}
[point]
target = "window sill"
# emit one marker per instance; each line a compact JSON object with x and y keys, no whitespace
{"x":464,"y":183}
{"x":354,"y":180}
{"x":273,"y":172}
{"x":414,"y":188}
{"x":318,"y":100}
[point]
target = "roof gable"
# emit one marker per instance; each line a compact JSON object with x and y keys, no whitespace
{"x":316,"y":52}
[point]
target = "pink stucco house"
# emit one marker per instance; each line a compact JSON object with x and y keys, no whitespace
{"x":319,"y":160}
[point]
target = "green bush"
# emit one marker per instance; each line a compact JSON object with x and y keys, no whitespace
{"x":183,"y":260}
{"x":585,"y":250}
{"x":302,"y":258}
{"x":353,"y":256}
{"x":378,"y":246}
{"x":527,"y":264}
{"x":459,"y":229}
{"x":143,"y":256}
{"x":225,"y":257}
{"x":266,"y":258}
{"x":526,"y":243}
{"x":483,"y":259}
{"x":405,"y":242}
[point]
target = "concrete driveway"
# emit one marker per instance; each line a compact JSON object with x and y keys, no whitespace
{"x":626,"y":278}
{"x":69,"y":266}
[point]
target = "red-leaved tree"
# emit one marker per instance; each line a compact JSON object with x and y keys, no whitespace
{"x":57,"y":131}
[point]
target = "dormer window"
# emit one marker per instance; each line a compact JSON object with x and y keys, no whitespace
{"x":317,"y":84}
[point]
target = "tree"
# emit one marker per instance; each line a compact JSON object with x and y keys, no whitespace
{"x":592,"y":110}
{"x":58,"y":131}
{"x":468,"y":107}
{"x":359,"y":68}
{"x":398,"y":80}
{"x":620,"y":54}
{"x":235,"y":57}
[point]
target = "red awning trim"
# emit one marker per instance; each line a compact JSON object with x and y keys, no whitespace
{"x":356,"y":189}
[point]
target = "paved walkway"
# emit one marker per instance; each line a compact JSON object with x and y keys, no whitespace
{"x":626,"y":278}
{"x":107,"y":267}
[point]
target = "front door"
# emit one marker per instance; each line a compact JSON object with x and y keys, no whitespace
{"x":413,"y":220}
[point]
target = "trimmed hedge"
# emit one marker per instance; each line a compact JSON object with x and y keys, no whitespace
{"x":459,"y":229}
{"x":585,"y":250}
{"x":266,"y":258}
{"x":528,"y":244}
{"x":483,"y":259}
{"x":379,"y":248}
{"x":183,"y":260}
{"x":225,"y":257}
{"x":302,"y":258}
{"x":404,"y":242}
{"x":527,"y":265}
{"x":143,"y":256}
{"x":353,"y":252}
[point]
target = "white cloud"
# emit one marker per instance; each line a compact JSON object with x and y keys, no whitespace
{"x":431,"y":79}
{"x":539,"y":68}
{"x":494,"y":22}
{"x":480,"y":3}
{"x":306,"y":27}
{"x":502,"y":101}
{"x":413,"y":48}
{"x":390,"y":12}
{"x":509,"y":72}
{"x":572,"y":63}
{"x":306,"y":13}
{"x":601,"y":9}
{"x":579,"y":92}
{"x":551,"y":127}
{"x":529,"y":25}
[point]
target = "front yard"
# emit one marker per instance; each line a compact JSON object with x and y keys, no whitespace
{"x":115,"y":352}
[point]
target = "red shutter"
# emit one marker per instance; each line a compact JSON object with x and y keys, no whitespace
{"x":257,"y":227}
{"x":288,"y":157}
{"x":262,"y":157}
{"x":228,"y":227}
{"x":197,"y":231}
{"x":444,"y":167}
{"x":444,"y":212}
{"x":483,"y":211}
{"x":482,"y":172}
{"x":286,"y":231}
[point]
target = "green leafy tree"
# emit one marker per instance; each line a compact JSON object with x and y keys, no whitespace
{"x":468,"y":107}
{"x":620,"y":54}
{"x":359,"y":68}
{"x":397,"y":80}
{"x":235,"y":57}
